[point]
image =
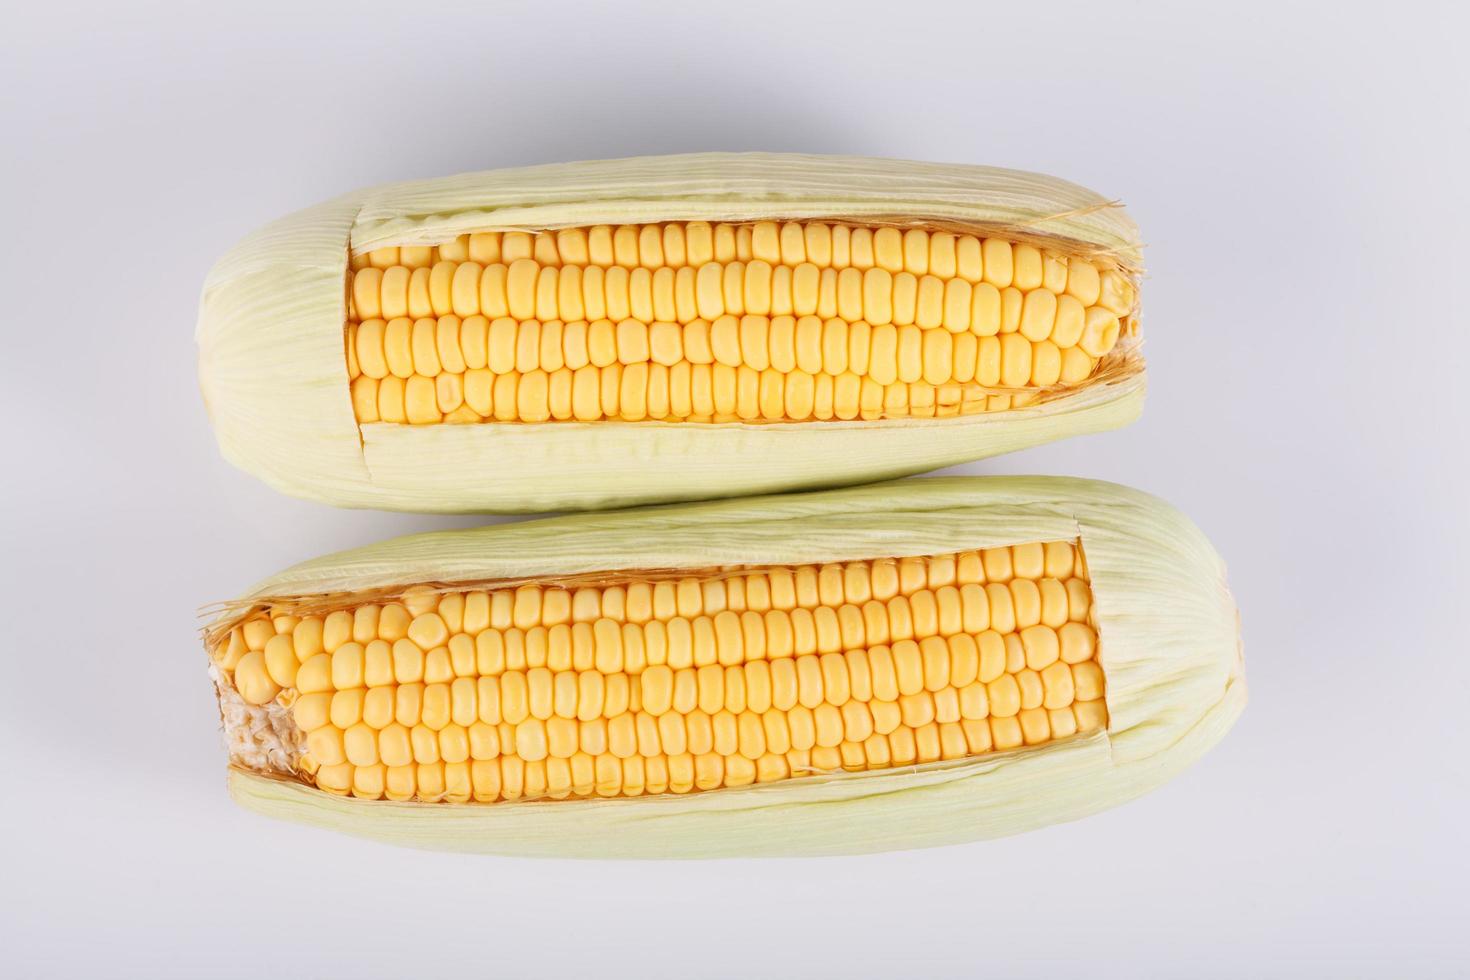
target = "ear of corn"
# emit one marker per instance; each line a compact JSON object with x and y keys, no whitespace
{"x":641,"y":330}
{"x":923,"y":702}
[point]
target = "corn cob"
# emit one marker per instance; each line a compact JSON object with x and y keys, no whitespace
{"x":702,"y":664}
{"x":446,"y":344}
{"x":693,"y":322}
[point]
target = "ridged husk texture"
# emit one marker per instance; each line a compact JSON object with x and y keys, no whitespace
{"x":273,"y":371}
{"x":1168,"y":644}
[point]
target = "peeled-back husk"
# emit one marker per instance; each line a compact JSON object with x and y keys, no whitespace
{"x":1168,"y":644}
{"x":273,"y":371}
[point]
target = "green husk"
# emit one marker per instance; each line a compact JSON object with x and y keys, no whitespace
{"x":1168,"y":643}
{"x":273,"y":373}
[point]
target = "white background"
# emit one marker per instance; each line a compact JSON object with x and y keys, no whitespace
{"x":1299,"y":173}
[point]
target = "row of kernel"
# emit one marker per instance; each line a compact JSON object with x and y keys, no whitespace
{"x":527,"y":290}
{"x":430,"y":618}
{"x":427,"y":347}
{"x":725,"y":733}
{"x":343,"y":726}
{"x":1006,"y":622}
{"x":726,"y":639}
{"x":946,"y":375}
{"x":511,"y":778}
{"x":675,"y":245}
{"x":643,"y":393}
{"x":855,"y":591}
{"x":757,"y":589}
{"x":698,"y":620}
{"x":960,"y":675}
{"x":585,"y":775}
{"x":933,"y":357}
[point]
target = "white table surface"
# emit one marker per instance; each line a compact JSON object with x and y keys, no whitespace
{"x":1299,"y":175}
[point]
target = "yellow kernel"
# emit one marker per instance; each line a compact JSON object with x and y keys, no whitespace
{"x":1035,"y":725}
{"x":1033,"y":692}
{"x":1091,"y":715}
{"x":1077,"y":643}
{"x":1083,"y":281}
{"x":1087,"y":680}
{"x":1100,"y":332}
{"x":253,"y":680}
{"x":997,"y":259}
{"x":1059,"y":684}
{"x":1005,"y":732}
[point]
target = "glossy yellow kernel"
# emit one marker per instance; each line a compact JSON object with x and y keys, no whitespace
{"x":253,"y":680}
{"x":280,"y":660}
{"x":1099,"y":333}
{"x":1090,"y":715}
{"x":1077,"y":642}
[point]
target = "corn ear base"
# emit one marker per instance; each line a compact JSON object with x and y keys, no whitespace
{"x":272,"y":370}
{"x":1169,"y":645}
